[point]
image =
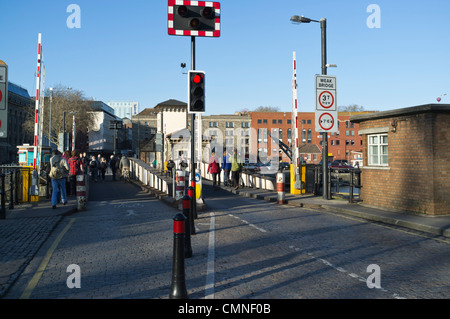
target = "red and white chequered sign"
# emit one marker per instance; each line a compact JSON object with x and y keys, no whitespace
{"x":215,"y":5}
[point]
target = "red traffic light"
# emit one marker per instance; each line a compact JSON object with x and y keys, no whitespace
{"x":198,"y":78}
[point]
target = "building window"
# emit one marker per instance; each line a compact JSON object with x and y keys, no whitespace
{"x":259,"y":121}
{"x":274,"y":121}
{"x":378,"y":149}
{"x":265,"y":121}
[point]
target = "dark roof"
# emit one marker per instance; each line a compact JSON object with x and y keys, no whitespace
{"x":172,"y":102}
{"x":14,"y":88}
{"x":400,"y":112}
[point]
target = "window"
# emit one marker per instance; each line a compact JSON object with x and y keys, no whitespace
{"x":280,"y":121}
{"x":378,"y":149}
{"x":274,"y":121}
{"x":259,"y":121}
{"x":265,"y":121}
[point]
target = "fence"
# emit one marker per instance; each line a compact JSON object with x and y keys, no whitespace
{"x":11,"y":192}
{"x":148,"y":176}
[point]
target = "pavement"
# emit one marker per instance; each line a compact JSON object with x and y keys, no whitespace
{"x":28,"y":225}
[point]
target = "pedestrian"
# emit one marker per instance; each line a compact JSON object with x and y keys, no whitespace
{"x":93,"y":167}
{"x":85,"y":161}
{"x":102,"y":167}
{"x":170,"y":166}
{"x":75,"y":168}
{"x":236,"y":168}
{"x":66,"y":156}
{"x":59,"y":168}
{"x":226,"y":167}
{"x":213,"y":167}
{"x":124,"y":166}
{"x":112,"y":165}
{"x":98,"y":166}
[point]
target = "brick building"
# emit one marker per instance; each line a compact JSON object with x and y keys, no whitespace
{"x":406,"y":157}
{"x":343,"y":145}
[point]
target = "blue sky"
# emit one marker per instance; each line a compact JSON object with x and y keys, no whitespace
{"x":123,"y":52}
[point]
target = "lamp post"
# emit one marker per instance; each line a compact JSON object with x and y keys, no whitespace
{"x":50,"y":119}
{"x":323,"y":27}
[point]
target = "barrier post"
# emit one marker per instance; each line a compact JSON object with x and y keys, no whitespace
{"x":178,"y":289}
{"x":192,"y":214}
{"x":187,"y":231}
{"x":81,"y":192}
{"x":280,"y":188}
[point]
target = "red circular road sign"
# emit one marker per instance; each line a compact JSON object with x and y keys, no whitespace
{"x":326,"y":99}
{"x":326,"y":121}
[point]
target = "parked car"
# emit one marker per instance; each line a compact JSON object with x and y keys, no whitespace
{"x":340,"y":164}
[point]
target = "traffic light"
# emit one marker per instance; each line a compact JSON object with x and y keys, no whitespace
{"x":194,"y":18}
{"x":196,"y":92}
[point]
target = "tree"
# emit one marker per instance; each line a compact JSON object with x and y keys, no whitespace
{"x":267,"y":109}
{"x":65,"y":103}
{"x":351,"y":108}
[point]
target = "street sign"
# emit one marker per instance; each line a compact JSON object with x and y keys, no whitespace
{"x":3,"y":100}
{"x":326,"y":116}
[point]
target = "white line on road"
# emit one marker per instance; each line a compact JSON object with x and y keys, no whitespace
{"x":209,"y":287}
{"x":251,"y":225}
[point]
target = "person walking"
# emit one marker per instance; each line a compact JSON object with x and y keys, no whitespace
{"x":103,"y":166}
{"x":75,"y":168}
{"x":58,"y":170}
{"x":93,"y":167}
{"x":112,"y":165}
{"x":124,"y":167}
{"x":226,"y":167}
{"x":236,"y":168}
{"x":214,"y":168}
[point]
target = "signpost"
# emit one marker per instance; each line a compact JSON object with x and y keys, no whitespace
{"x":326,"y":109}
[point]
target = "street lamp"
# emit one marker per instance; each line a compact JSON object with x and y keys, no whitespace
{"x":323,"y":27}
{"x":50,"y":119}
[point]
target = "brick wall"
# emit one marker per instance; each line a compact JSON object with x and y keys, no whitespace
{"x":417,"y":177}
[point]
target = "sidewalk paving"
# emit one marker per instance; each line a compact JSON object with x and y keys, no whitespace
{"x":22,"y":234}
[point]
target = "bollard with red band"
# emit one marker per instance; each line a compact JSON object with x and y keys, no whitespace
{"x":187,"y":231}
{"x":280,"y":188}
{"x":178,"y":289}
{"x":81,"y":192}
{"x":192,"y":214}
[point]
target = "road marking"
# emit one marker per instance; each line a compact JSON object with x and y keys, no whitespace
{"x":37,"y":276}
{"x":342,"y":270}
{"x":210,"y":276}
{"x":251,"y":225}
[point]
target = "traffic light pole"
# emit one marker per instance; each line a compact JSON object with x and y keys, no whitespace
{"x":192,"y":174}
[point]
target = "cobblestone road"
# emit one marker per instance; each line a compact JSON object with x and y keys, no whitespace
{"x":123,"y":246}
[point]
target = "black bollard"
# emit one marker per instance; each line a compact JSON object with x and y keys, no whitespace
{"x":192,"y":214}
{"x":187,"y":213}
{"x":178,"y":289}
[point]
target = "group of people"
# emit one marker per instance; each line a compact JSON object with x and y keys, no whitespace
{"x":63,"y":169}
{"x":230,"y":164}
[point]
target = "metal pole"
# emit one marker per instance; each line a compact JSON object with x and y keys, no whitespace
{"x":192,"y":174}
{"x":50,"y":119}
{"x":326,"y":193}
